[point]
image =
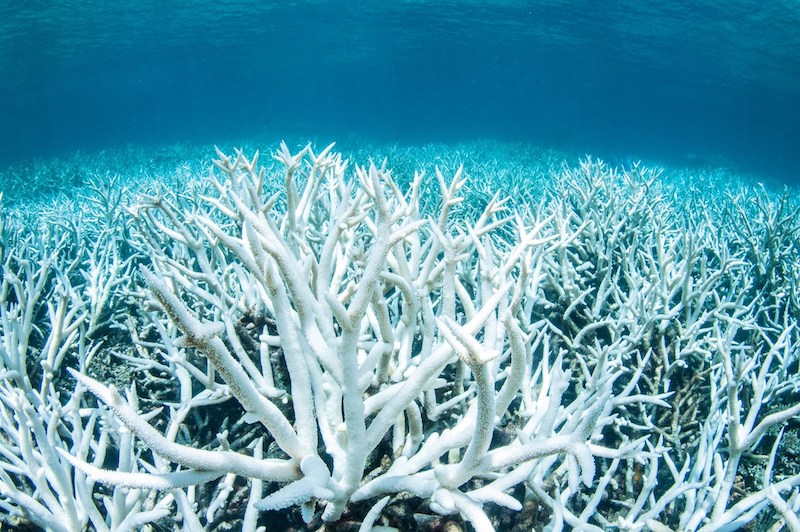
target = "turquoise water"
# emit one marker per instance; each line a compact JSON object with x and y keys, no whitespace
{"x":651,"y":309}
{"x":689,"y":83}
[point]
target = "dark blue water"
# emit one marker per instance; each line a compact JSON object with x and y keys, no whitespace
{"x":680,"y":82}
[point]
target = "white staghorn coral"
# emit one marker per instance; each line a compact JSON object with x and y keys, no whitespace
{"x":594,"y":353}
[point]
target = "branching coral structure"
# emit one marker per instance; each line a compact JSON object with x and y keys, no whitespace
{"x":608,"y":353}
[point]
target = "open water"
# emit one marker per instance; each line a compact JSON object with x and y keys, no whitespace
{"x":678,"y":82}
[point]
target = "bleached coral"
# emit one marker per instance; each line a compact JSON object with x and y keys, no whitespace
{"x":607,"y":348}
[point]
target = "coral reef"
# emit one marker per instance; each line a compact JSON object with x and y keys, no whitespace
{"x":306,"y":344}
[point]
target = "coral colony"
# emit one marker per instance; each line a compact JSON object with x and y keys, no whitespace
{"x":582,"y":348}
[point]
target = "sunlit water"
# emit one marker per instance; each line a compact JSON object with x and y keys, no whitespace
{"x":686,"y":83}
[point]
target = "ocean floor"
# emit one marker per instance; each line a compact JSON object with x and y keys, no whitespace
{"x":646,"y":316}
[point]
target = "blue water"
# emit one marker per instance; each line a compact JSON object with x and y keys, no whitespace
{"x":683,"y":82}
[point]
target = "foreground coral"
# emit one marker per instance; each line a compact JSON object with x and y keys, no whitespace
{"x":593,"y":354}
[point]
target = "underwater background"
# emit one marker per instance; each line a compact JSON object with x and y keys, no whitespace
{"x":689,"y":83}
{"x":344,"y":327}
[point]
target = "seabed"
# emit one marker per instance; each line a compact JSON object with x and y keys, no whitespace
{"x":475,"y":336}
